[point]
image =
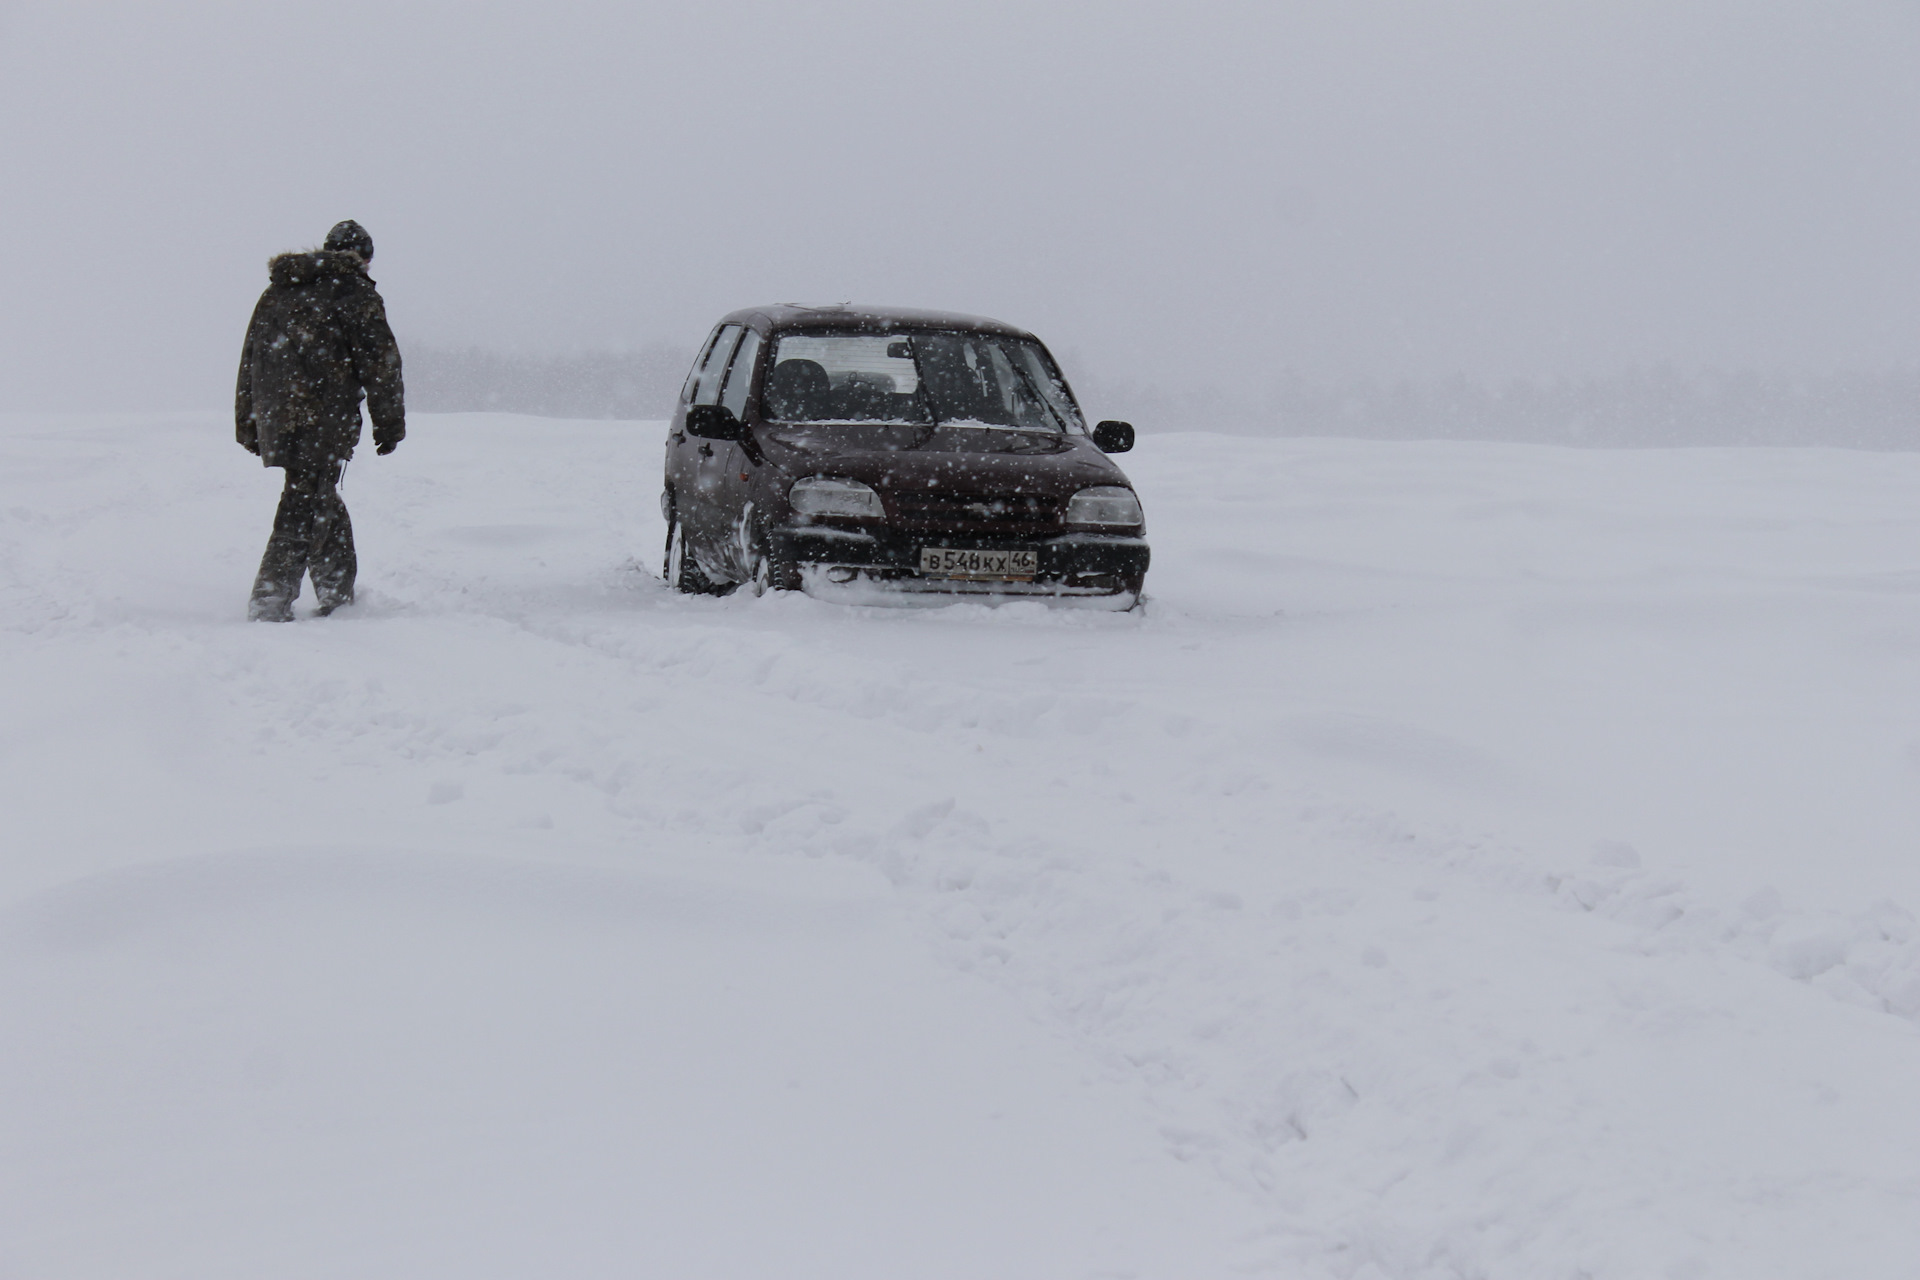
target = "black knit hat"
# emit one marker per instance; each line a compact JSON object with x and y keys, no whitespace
{"x":350,"y":237}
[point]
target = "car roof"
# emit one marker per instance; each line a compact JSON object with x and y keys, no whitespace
{"x":788,"y":317}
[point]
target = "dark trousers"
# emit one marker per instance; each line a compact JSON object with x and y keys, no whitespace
{"x":311,"y":536}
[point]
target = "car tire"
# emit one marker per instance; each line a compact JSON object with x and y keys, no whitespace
{"x":770,"y":571}
{"x":680,"y":569}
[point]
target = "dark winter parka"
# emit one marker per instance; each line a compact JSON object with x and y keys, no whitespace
{"x":317,"y":343}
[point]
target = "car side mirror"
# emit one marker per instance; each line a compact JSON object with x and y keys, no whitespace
{"x":1113,"y":437}
{"x":714,"y":422}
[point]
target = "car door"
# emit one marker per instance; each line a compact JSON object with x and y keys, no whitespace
{"x":736,"y":462}
{"x":694,"y":466}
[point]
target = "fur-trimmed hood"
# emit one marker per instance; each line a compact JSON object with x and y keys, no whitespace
{"x":309,"y":266}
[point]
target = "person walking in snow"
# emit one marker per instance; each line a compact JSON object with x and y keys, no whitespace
{"x":318,"y":342}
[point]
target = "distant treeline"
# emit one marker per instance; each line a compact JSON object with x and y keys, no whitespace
{"x":1660,"y":406}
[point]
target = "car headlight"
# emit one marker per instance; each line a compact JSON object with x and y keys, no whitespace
{"x":1111,"y":505}
{"x":846,"y":499}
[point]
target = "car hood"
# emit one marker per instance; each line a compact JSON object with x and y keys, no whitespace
{"x":968,"y":459}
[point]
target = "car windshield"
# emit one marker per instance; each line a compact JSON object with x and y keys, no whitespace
{"x":943,"y":378}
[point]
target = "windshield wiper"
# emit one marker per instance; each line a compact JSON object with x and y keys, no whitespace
{"x":1034,"y":391}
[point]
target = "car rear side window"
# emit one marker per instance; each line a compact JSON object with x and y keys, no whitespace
{"x":740,"y":376}
{"x":706,"y":379}
{"x":699,"y":363}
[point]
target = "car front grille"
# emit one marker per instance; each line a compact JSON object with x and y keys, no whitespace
{"x":986,"y":512}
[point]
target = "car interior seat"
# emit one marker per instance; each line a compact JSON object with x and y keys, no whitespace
{"x":797,"y":390}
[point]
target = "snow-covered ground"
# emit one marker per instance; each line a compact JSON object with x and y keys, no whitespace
{"x":1473,"y":861}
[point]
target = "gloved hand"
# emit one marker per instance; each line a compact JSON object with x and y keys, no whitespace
{"x":385,"y":446}
{"x":385,"y":442}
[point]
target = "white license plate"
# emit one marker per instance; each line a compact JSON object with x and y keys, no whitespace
{"x":967,"y":562}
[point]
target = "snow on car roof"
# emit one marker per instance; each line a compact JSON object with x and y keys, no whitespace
{"x":846,"y":315}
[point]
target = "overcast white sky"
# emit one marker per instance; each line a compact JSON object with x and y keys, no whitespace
{"x":1183,"y":193}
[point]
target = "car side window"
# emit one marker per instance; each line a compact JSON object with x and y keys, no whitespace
{"x":740,"y":375}
{"x":706,"y":380}
{"x":700,"y":359}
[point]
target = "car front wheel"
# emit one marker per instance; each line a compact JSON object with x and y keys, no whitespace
{"x":770,"y":572}
{"x":681,"y":570}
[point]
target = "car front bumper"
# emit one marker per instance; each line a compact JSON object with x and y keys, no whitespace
{"x":1069,"y":563}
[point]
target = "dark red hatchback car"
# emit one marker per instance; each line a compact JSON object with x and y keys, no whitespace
{"x":819,"y":448}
